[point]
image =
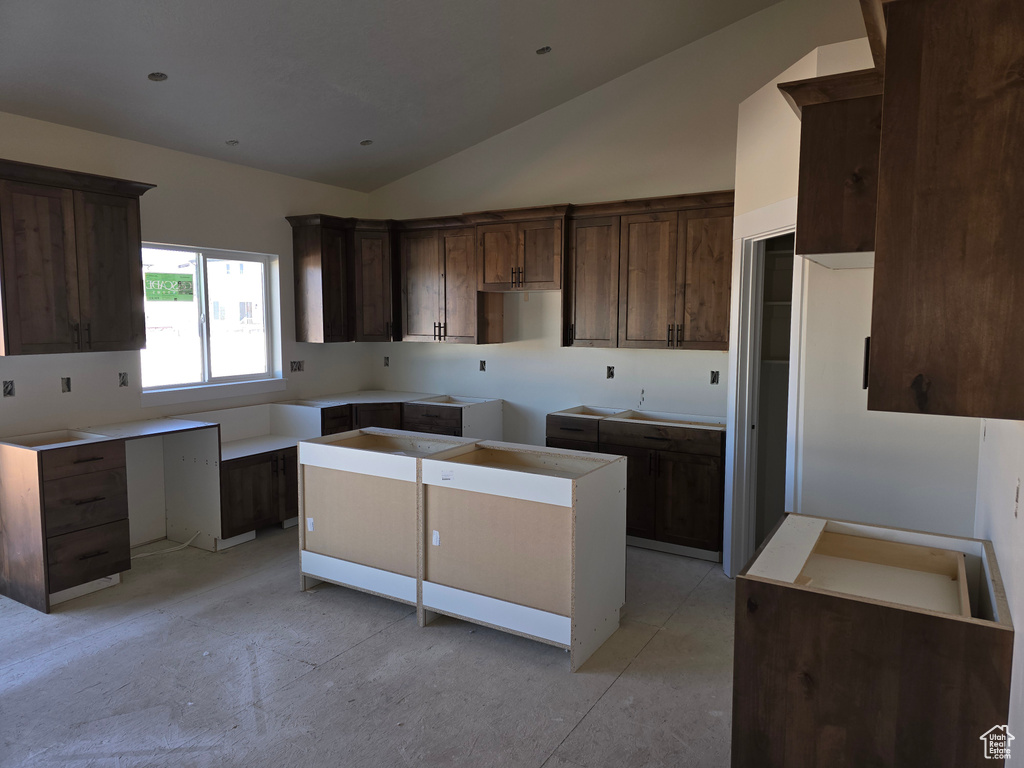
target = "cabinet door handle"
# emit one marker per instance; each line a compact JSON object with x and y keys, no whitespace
{"x":654,"y":437}
{"x":668,"y":337}
{"x":512,"y":280}
{"x":93,"y":500}
{"x":86,"y":461}
{"x":679,"y":335}
{"x":867,"y":362}
{"x":520,"y":277}
{"x":94,"y":554}
{"x":571,"y":429}
{"x":78,"y":335}
{"x":88,"y":334}
{"x":435,"y":331}
{"x":572,"y":333}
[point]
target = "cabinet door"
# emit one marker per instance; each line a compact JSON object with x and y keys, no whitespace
{"x":422,"y":292}
{"x":641,"y":489}
{"x":287,"y":464}
{"x":459,"y":319}
{"x":320,"y":284}
{"x":109,"y":272}
{"x":689,"y":510}
{"x":335,"y":296}
{"x":499,"y":257}
{"x":249,"y":494}
{"x":385,"y":415}
{"x":650,"y":280}
{"x":372,"y":256}
{"x":706,"y":258}
{"x":540,"y":255}
{"x":592,"y":292}
{"x":39,"y":279}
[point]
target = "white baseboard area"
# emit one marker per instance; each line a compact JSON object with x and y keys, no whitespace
{"x":81,"y":590}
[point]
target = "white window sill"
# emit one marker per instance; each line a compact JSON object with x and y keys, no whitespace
{"x":199,"y":392}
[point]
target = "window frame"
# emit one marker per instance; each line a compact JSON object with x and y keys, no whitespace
{"x":202,"y":289}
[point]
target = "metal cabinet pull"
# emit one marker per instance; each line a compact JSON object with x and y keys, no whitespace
{"x":86,"y":461}
{"x":520,"y":277}
{"x":679,"y":335}
{"x":512,"y":280}
{"x":93,"y":500}
{"x":668,"y":337}
{"x":94,"y":554}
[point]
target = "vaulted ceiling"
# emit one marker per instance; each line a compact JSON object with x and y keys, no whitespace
{"x":300,"y":84}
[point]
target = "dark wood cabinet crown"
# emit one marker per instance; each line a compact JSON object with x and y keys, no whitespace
{"x":71,"y":266}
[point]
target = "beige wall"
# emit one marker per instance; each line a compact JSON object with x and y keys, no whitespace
{"x":198,"y":202}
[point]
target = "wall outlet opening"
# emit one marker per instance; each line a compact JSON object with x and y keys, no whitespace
{"x":8,"y":387}
{"x":483,"y":365}
{"x":298,"y":366}
{"x":65,"y":383}
{"x":714,"y":377}
{"x":610,"y":374}
{"x":387,"y":361}
{"x":122,"y":379}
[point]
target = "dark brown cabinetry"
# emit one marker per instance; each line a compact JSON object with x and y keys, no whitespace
{"x":335,"y":419}
{"x":675,"y":480}
{"x":946,"y":336}
{"x":650,"y":273}
{"x":384,"y":415}
{"x":71,"y":263}
{"x":343,"y":279}
{"x":258,"y":490}
{"x":521,"y":250}
{"x":435,"y":419}
{"x":440,"y":301}
{"x":63,"y":519}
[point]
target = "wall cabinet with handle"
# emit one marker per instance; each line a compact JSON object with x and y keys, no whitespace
{"x":440,"y":301}
{"x":650,"y":273}
{"x":71,"y":262}
{"x":521,"y":250}
{"x":343,"y":279}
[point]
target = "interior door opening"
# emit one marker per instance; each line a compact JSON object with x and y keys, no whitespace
{"x":771,"y":410}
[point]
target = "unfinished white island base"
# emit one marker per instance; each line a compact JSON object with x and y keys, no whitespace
{"x":359,"y":503}
{"x":528,"y":540}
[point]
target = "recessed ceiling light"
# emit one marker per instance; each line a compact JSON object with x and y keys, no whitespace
{"x":157,"y":77}
{"x":365,"y":142}
{"x":232,"y":142}
{"x":545,"y":49}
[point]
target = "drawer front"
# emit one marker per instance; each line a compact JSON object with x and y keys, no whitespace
{"x":433,"y":427}
{"x":80,"y":459}
{"x":441,"y":414}
{"x":83,"y":501}
{"x":706,"y":442}
{"x":572,"y":445}
{"x":82,"y":556}
{"x":385,"y":415}
{"x":337,"y":418}
{"x":572,"y":428}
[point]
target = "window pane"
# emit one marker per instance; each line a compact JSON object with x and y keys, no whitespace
{"x":238,"y":338}
{"x":173,"y":353}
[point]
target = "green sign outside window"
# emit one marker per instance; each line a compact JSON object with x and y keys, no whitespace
{"x":161,"y":286}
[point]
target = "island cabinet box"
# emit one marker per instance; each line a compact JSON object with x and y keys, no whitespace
{"x":359,"y":507}
{"x":526,"y":539}
{"x":863,"y":646}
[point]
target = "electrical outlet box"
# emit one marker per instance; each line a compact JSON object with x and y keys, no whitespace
{"x":483,"y":365}
{"x":122,"y":379}
{"x":387,"y":361}
{"x":8,"y":387}
{"x":65,"y":383}
{"x":714,"y":377}
{"x":611,"y":372}
{"x":298,"y":366}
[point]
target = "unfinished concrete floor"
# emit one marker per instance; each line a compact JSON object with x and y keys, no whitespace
{"x":199,"y":659}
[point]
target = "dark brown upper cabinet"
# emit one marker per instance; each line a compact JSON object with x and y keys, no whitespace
{"x":520,"y":250}
{"x":71,"y":261}
{"x":439,"y":296}
{"x":946,"y":334}
{"x":343,"y":279}
{"x":591,"y":293}
{"x":650,"y":273}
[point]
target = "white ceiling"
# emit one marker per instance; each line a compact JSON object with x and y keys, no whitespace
{"x":299,"y":83}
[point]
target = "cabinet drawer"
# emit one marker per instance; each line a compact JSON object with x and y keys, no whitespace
{"x":441,"y":414}
{"x":82,"y":556}
{"x":433,"y":427}
{"x":80,"y":459}
{"x":84,"y":501}
{"x":665,"y":438}
{"x":571,"y":445}
{"x":385,"y":415}
{"x":337,"y":418}
{"x":572,"y":428}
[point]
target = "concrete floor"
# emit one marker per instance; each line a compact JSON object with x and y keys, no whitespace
{"x":199,"y":659}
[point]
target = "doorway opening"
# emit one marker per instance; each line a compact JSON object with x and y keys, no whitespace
{"x":770,"y":425}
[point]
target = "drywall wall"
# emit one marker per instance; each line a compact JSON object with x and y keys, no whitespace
{"x":1000,"y":469}
{"x":903,"y":470}
{"x":199,"y":202}
{"x":666,"y":128}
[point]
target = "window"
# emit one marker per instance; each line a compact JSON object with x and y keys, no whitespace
{"x":206,"y":316}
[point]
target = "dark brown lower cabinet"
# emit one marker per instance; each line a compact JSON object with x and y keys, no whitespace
{"x":384,"y":415}
{"x":688,"y":510}
{"x":257,"y":491}
{"x":641,"y":490}
{"x":335,"y":419}
{"x":433,"y":419}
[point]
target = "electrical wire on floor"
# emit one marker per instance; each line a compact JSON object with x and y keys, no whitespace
{"x":165,"y":551}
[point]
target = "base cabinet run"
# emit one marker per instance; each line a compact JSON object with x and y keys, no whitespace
{"x":863,"y":646}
